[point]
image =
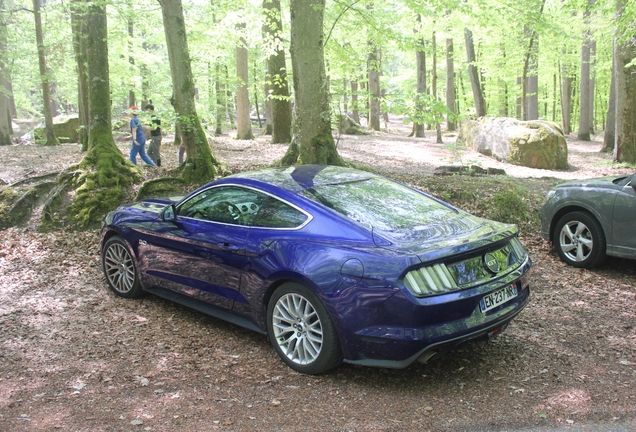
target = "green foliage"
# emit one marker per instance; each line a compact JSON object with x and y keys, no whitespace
{"x":427,"y":109}
{"x":138,"y":58}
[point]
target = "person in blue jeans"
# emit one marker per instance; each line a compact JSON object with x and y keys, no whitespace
{"x":138,"y":139}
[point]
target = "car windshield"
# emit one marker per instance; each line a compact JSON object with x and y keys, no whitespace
{"x":380,"y":204}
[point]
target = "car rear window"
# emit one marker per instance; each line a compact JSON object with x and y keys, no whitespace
{"x":380,"y":204}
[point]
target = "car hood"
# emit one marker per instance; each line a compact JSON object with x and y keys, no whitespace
{"x":600,"y":182}
{"x":458,"y":234}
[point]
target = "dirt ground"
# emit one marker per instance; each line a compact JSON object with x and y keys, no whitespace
{"x":73,"y":356}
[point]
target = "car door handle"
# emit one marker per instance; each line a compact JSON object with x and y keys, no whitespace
{"x":228,"y":246}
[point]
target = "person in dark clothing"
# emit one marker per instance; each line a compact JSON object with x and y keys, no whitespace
{"x":154,"y":149}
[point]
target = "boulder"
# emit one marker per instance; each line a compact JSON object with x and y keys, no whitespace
{"x":534,"y":144}
{"x":66,"y":129}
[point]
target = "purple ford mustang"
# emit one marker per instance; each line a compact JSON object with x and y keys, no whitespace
{"x":333,"y":264}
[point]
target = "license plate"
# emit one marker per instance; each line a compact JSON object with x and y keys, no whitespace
{"x":497,"y":298}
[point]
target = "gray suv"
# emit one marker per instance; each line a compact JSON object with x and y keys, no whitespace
{"x":589,"y":219}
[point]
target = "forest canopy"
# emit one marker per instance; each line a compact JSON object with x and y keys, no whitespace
{"x":533,"y":59}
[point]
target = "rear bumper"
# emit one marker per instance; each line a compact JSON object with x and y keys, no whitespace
{"x":400,"y":331}
{"x":437,"y":349}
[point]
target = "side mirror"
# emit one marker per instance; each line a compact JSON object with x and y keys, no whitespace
{"x":169,"y":214}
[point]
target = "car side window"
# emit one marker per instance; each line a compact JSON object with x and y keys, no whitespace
{"x":225,"y":204}
{"x":277,"y":214}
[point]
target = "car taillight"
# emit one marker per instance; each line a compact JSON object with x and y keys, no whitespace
{"x":425,"y":281}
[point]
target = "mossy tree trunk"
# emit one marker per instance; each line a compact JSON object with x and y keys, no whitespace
{"x":77,"y":26}
{"x":277,"y":73}
{"x":105,"y":171}
{"x":200,"y":164}
{"x":5,"y":114}
{"x":313,"y":142}
{"x":51,"y":140}
{"x":624,"y":53}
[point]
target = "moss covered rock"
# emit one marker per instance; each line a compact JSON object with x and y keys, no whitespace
{"x":66,"y":129}
{"x":534,"y":144}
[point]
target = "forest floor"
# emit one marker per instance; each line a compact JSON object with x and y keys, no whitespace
{"x":73,"y":356}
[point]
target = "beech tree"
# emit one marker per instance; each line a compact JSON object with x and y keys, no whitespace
{"x":609,"y":137}
{"x":200,"y":165}
{"x":475,"y":82}
{"x":313,"y":141}
{"x":79,"y":48}
{"x":625,"y":70}
{"x":451,"y":93}
{"x":243,"y":121}
{"x":585,"y":81}
{"x":5,"y":113}
{"x":276,"y":79}
{"x":51,"y":140}
{"x":104,"y":170}
{"x":420,"y":77}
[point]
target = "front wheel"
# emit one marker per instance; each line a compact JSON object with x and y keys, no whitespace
{"x":579,"y":240}
{"x":120,"y":268}
{"x":301,"y":330}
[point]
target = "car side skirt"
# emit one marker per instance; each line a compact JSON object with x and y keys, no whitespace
{"x":205,"y":308}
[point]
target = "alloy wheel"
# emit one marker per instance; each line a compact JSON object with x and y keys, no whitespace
{"x":119,"y":268}
{"x":297,"y":328}
{"x":575,"y":240}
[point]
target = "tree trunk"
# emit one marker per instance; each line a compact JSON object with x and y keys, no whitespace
{"x":420,"y":86}
{"x":44,"y":77}
{"x":5,"y":113}
{"x":313,"y":142}
{"x":451,"y":92}
{"x":566,"y":99}
{"x":625,"y":52}
{"x":132,"y":99}
{"x":438,"y":126}
{"x":79,"y":48}
{"x":106,"y":171}
{"x":267,"y":104}
{"x":277,"y":74}
{"x":258,"y":112}
{"x":200,"y":163}
{"x":478,"y":95}
{"x":355,"y":113}
{"x":609,"y":138}
{"x":584,"y":93}
{"x":373,"y":66}
{"x":220,"y":99}
{"x":243,"y":122}
{"x":530,"y":78}
{"x":592,"y":84}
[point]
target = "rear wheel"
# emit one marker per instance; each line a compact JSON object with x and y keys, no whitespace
{"x":301,"y":330}
{"x":120,"y":268}
{"x":579,"y":240}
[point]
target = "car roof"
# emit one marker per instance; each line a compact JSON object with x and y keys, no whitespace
{"x":301,"y":177}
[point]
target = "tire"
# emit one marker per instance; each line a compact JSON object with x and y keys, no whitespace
{"x":579,"y":240}
{"x":120,"y":268}
{"x":301,"y":330}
